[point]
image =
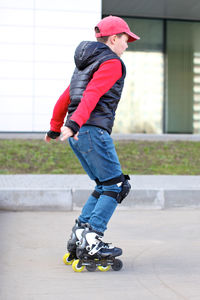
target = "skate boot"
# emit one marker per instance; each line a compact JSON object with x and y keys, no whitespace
{"x":72,"y":243}
{"x":93,"y":253}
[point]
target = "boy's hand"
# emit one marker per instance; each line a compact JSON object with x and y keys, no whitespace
{"x":67,"y":132}
{"x":51,"y":135}
{"x":48,"y":139}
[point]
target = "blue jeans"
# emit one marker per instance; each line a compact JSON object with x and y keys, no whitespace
{"x":96,"y":152}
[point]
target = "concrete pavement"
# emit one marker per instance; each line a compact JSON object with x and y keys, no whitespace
{"x":161,"y":256}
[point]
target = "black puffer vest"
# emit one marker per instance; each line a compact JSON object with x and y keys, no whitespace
{"x":88,"y":57}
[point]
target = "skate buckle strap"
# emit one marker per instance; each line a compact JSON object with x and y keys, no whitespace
{"x":79,"y":232}
{"x":96,"y":248}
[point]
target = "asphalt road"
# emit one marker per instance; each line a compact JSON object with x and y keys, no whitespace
{"x":161,"y":256}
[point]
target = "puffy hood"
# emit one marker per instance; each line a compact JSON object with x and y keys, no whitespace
{"x":86,"y":52}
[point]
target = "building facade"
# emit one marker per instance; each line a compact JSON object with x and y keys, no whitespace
{"x":162,"y":88}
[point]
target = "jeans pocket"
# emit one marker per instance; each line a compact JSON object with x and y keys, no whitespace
{"x":104,"y":136}
{"x":84,"y":142}
{"x":107,"y":143}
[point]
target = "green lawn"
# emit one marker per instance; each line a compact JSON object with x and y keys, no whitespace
{"x":136,"y":157}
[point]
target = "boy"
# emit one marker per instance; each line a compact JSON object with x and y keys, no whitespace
{"x":91,"y":100}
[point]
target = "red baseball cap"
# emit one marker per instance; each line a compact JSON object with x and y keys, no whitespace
{"x":113,"y":25}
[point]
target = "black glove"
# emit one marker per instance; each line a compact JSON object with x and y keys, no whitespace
{"x":53,"y":134}
{"x":73,"y":126}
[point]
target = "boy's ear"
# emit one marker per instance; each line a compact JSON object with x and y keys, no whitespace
{"x":112,"y":38}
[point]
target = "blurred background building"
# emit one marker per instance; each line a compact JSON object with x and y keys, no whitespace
{"x":162,"y":88}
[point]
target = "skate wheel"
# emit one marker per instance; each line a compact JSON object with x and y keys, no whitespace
{"x":92,"y":267}
{"x":103,"y":269}
{"x":117,"y":265}
{"x":67,"y":260}
{"x":77,"y":267}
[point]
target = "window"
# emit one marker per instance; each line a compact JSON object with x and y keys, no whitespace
{"x":183,"y":77}
{"x":141,"y":107}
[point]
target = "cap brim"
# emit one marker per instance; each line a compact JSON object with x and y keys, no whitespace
{"x":132,"y":37}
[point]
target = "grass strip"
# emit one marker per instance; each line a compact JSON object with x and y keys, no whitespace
{"x":136,"y":157}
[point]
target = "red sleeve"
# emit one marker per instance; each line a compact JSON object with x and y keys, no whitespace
{"x":60,"y":111}
{"x":103,"y":79}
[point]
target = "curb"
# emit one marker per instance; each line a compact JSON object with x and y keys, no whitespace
{"x":23,"y":199}
{"x":166,"y":137}
{"x":68,"y":200}
{"x":70,"y":192}
{"x":149,"y":199}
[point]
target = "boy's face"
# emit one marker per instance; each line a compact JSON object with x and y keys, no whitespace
{"x":119,"y":44}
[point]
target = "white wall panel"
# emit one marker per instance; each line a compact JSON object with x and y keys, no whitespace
{"x":16,"y":122}
{"x":61,"y":36}
{"x":37,"y":43}
{"x":16,"y":69}
{"x":44,"y":104}
{"x":17,"y":4}
{"x":41,"y":122}
{"x":16,"y":17}
{"x":51,"y":70}
{"x":54,"y":53}
{"x":66,"y":19}
{"x":17,"y":53}
{"x":75,"y":5}
{"x":24,"y":105}
{"x":19,"y":35}
{"x":53,"y":88}
{"x":15,"y":87}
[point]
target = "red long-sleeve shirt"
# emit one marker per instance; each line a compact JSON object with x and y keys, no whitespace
{"x":103,"y":79}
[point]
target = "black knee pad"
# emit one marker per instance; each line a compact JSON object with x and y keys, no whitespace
{"x":125,"y":189}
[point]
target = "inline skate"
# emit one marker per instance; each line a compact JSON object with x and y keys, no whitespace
{"x":93,"y":253}
{"x":72,"y":243}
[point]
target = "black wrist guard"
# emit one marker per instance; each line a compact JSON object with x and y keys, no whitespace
{"x":53,"y":134}
{"x":73,"y":126}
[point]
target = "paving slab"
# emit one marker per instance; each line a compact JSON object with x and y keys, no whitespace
{"x":161,"y":256}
